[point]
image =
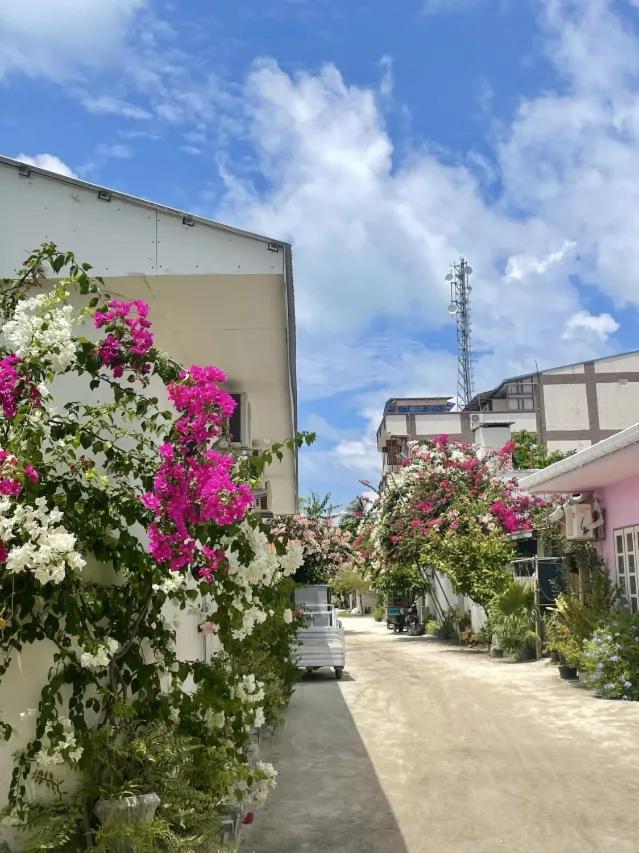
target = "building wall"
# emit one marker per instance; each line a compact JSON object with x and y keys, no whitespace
{"x":589,"y":402}
{"x":433,"y":425}
{"x":566,"y":407}
{"x":620,"y":502}
{"x":572,"y":369}
{"x":618,"y":363}
{"x":217,"y":296}
{"x":239,"y":328}
{"x":618,"y":405}
{"x":567,"y":446}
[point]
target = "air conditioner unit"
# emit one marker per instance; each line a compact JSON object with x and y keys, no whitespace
{"x":584,"y":521}
{"x":476,"y":421}
{"x":240,"y":422}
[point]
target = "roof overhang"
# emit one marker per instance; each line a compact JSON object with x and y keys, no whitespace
{"x":609,"y":461}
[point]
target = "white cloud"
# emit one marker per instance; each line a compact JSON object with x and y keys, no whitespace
{"x":108,"y":105}
{"x":374,"y":231}
{"x":55,"y":39}
{"x":49,"y":162}
{"x":360,"y":456}
{"x":519,"y":267}
{"x":600,"y":326}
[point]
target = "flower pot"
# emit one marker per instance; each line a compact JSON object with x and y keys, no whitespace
{"x":569,"y":673}
{"x":496,"y":653}
{"x":554,"y":656}
{"x":527,"y":652}
{"x":561,"y":658}
{"x":138,"y":809}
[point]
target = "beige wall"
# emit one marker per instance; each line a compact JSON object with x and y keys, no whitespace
{"x":237,"y":323}
{"x":565,"y":446}
{"x":618,"y":404}
{"x":572,"y":369}
{"x":565,"y":407}
{"x":522,"y":421}
{"x":396,"y":425}
{"x":428,"y":425}
{"x":617,"y":363}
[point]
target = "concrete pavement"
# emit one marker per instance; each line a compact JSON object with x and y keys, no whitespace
{"x":429,"y":748}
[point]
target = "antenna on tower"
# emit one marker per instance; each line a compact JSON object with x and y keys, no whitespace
{"x":459,"y":308}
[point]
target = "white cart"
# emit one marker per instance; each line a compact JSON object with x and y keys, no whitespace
{"x":321,"y":641}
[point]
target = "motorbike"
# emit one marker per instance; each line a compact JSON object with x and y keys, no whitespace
{"x":396,"y":614}
{"x":414,"y":626}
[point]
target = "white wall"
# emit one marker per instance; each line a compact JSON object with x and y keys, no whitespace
{"x":149,"y":240}
{"x":433,"y":425}
{"x":618,"y":404}
{"x":565,"y":407}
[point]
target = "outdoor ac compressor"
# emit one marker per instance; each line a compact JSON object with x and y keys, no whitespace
{"x":583,"y":520}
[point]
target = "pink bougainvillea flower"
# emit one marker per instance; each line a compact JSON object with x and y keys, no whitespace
{"x":129,"y":339}
{"x":248,"y":818}
{"x":32,"y":474}
{"x":15,"y":386}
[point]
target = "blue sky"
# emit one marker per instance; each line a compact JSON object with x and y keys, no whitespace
{"x":383,"y":139}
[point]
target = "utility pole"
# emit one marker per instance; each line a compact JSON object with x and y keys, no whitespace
{"x":459,"y":308}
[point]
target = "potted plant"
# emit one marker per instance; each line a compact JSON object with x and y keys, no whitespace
{"x":512,"y":617}
{"x":569,"y":652}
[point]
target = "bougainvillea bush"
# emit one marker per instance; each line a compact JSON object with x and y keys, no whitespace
{"x":120,"y":514}
{"x":326,"y":548}
{"x":452,"y":509}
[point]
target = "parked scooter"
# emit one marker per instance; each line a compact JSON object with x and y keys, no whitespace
{"x":414,"y":626}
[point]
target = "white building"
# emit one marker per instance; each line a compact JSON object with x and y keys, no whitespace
{"x":218,"y":295}
{"x":569,"y":408}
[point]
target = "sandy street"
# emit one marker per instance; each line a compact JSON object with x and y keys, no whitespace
{"x":427,"y":748}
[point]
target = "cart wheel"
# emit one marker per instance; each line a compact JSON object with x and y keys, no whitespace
{"x":338,"y":672}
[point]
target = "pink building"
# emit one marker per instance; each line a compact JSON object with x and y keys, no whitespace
{"x":606,"y":477}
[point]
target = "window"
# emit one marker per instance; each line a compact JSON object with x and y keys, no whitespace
{"x":520,"y":404}
{"x":626,"y":548}
{"x":519,"y":389}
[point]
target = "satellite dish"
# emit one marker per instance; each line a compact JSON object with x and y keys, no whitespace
{"x":449,"y":277}
{"x":468,"y":269}
{"x":453,"y":308}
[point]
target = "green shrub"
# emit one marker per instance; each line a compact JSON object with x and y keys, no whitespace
{"x":432,"y":626}
{"x":378,"y":613}
{"x":512,"y":616}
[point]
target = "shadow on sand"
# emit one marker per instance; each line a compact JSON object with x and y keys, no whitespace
{"x":328,"y":797}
